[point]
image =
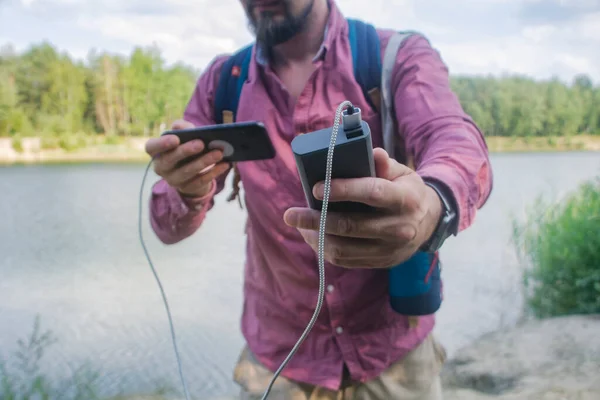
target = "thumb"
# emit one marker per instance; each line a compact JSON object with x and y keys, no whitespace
{"x":387,"y":167}
{"x":181,"y":124}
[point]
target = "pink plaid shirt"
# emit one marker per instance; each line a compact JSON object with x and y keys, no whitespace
{"x":356,"y":326}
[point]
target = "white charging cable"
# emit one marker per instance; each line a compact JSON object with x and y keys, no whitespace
{"x":321,"y":257}
{"x":321,"y":250}
{"x":162,"y":291}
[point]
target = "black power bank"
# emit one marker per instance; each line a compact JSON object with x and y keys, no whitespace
{"x":352,"y":158}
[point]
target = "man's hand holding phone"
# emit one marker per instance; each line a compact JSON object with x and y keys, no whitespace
{"x":192,"y":179}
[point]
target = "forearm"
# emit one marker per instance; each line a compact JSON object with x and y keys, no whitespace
{"x":173,"y":217}
{"x":447,"y":146}
{"x":455,"y":157}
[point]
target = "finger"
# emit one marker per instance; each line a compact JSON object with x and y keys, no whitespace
{"x":168,"y":161}
{"x":350,"y":252}
{"x":364,"y":263}
{"x":354,"y":225}
{"x":376,"y":192}
{"x":161,"y":144}
{"x":181,"y":124}
{"x":387,"y":167}
{"x":203,"y":179}
{"x":382,"y":164}
{"x":343,"y":248}
{"x":194,"y":168}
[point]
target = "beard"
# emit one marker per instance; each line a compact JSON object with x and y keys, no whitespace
{"x":269,"y":31}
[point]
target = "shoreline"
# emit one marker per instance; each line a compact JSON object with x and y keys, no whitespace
{"x":131,"y":150}
{"x":537,"y":359}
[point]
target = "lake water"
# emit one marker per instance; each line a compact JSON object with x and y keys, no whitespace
{"x":69,"y":252}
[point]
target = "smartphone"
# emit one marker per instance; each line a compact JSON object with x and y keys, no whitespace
{"x":239,"y":141}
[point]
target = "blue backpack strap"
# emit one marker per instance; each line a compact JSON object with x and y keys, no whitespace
{"x":231,"y":80}
{"x":366,"y":58}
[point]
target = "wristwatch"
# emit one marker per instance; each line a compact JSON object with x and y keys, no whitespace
{"x":446,"y":225}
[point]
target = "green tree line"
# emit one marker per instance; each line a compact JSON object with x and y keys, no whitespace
{"x":46,"y":92}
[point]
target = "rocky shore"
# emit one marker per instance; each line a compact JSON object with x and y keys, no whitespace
{"x":31,"y":151}
{"x":553,"y":359}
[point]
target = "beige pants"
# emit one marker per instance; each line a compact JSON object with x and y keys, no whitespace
{"x":415,"y":377}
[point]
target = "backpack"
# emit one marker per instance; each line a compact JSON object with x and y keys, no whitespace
{"x":370,"y":72}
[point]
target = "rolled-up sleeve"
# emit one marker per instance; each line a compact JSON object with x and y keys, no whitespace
{"x":173,"y":217}
{"x":446,"y":145}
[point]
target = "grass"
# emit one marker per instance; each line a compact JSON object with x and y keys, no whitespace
{"x":22,"y":378}
{"x":543,"y":144}
{"x":80,"y":147}
{"x":561,"y":243}
{"x":76,"y":147}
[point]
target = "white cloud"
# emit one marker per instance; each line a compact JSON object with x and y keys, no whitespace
{"x":589,"y":28}
{"x":193,"y":32}
{"x":473,"y":36}
{"x":538,"y":34}
{"x":539,"y":50}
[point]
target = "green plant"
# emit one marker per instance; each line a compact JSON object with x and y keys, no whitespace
{"x":22,"y":378}
{"x":72,"y":141}
{"x":113,"y":140}
{"x":50,"y":142}
{"x":17,"y":143}
{"x":561,"y":242}
{"x":25,"y":381}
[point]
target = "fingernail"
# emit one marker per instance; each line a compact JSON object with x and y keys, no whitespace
{"x":198,"y":145}
{"x":290,"y":217}
{"x":318,"y":190}
{"x":171,"y":141}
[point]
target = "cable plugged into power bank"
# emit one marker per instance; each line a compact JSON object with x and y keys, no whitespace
{"x":351,"y":122}
{"x":324,"y":143}
{"x":314,"y":159}
{"x":353,"y":157}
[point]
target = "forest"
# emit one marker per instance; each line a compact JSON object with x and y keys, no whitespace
{"x":45,"y":92}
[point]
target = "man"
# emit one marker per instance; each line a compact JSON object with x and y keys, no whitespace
{"x":300,"y":72}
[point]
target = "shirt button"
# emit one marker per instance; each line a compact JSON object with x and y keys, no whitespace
{"x":339,"y":330}
{"x":330,"y":288}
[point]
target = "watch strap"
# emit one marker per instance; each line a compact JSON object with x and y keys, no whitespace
{"x":445,"y":225}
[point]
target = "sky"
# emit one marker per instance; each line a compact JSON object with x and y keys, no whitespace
{"x":537,"y":38}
